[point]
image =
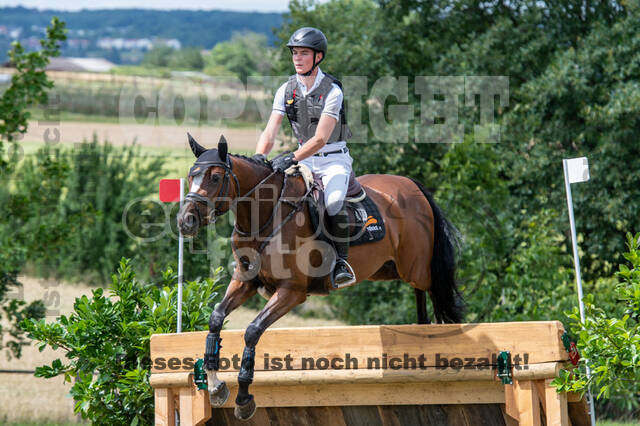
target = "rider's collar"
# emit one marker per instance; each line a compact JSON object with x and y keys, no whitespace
{"x":317,"y":81}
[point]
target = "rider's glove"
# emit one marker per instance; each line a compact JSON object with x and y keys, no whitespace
{"x":283,"y":162}
{"x":260,"y":157}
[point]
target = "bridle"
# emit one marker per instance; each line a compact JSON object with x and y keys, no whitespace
{"x":224,"y":192}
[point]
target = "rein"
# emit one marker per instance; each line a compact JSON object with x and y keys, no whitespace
{"x":295,"y":207}
{"x":224,"y":192}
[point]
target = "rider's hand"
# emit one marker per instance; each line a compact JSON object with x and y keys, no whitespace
{"x":260,"y":157}
{"x":283,"y":162}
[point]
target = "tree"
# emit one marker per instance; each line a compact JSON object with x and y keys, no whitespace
{"x":158,"y":56}
{"x":187,"y":58}
{"x":246,"y":54}
{"x":28,"y":86}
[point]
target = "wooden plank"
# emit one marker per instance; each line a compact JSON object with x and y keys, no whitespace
{"x":574,"y":397}
{"x":405,"y":415}
{"x":579,"y":413}
{"x":482,"y":415}
{"x":165,"y":407}
{"x":201,"y":406}
{"x":508,"y":420}
{"x":289,"y":416}
{"x":326,"y":416}
{"x":467,"y":343}
{"x":389,"y":414}
{"x":555,"y":404}
{"x":511,"y":402}
{"x":528,"y":403}
{"x":186,"y":406}
{"x":361,"y":416}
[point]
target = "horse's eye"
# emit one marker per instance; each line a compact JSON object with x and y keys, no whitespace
{"x":215,"y":179}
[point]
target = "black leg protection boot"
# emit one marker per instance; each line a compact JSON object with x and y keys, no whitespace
{"x":339,"y":229}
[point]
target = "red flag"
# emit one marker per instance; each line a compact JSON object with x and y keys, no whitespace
{"x":170,"y":190}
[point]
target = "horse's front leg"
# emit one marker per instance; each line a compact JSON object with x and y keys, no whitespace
{"x":282,"y":301}
{"x":237,"y":293}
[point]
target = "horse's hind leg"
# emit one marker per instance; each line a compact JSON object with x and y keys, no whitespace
{"x":421,"y":306}
{"x":415,"y":270}
{"x":282,"y":301}
{"x":237,"y":293}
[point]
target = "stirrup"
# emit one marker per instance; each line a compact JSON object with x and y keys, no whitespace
{"x":345,"y":284}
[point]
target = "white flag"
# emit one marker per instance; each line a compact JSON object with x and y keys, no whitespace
{"x":577,"y":169}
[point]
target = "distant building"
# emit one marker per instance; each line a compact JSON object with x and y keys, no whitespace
{"x":81,"y":43}
{"x":172,"y":43}
{"x":80,"y":64}
{"x":124,"y":43}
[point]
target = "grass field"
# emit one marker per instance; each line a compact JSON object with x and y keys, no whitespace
{"x":168,"y":142}
{"x":38,"y":114}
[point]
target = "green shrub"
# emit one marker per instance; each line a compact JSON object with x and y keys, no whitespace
{"x":106,"y":340}
{"x":609,"y":340}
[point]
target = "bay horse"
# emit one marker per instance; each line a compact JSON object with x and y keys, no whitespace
{"x":277,"y":254}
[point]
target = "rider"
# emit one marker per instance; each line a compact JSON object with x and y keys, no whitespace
{"x":313,"y":103}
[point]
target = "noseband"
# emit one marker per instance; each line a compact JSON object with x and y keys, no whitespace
{"x":223,"y":193}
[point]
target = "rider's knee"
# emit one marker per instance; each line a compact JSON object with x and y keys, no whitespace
{"x":334,"y":205}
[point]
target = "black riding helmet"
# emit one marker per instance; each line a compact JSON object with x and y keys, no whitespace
{"x":311,"y":38}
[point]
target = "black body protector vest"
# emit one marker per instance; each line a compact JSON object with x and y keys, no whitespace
{"x":304,"y":111}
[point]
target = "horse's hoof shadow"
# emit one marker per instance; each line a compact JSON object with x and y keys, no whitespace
{"x":246,"y":411}
{"x":219,"y":395}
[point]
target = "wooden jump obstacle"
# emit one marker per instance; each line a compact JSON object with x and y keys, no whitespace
{"x":367,"y":375}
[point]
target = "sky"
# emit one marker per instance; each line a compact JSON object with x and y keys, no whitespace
{"x":237,"y":5}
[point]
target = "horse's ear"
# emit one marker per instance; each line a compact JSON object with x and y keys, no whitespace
{"x":222,"y":148}
{"x":195,"y":146}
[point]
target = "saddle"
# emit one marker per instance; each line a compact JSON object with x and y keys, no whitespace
{"x":365,"y":221}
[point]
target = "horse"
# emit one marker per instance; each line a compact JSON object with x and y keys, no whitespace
{"x":278,"y":253}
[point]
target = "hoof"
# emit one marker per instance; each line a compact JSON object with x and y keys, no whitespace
{"x":245,"y":412}
{"x":219,"y":395}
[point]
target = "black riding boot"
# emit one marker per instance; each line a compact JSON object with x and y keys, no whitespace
{"x":339,"y":230}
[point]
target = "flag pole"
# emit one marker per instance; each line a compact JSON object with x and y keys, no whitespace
{"x":180,"y":272}
{"x":576,"y":258}
{"x":576,"y":261}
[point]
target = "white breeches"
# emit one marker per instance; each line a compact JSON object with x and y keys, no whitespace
{"x":334,"y":169}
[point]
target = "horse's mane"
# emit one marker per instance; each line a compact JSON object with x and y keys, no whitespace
{"x":266,"y":165}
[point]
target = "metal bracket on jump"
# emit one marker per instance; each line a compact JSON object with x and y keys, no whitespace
{"x":199,"y":376}
{"x":504,"y":368}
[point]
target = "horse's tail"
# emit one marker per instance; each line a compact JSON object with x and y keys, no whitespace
{"x":448,"y":305}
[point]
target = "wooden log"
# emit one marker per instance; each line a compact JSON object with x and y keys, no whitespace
{"x":331,"y":395}
{"x":431,"y":374}
{"x":170,"y":380}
